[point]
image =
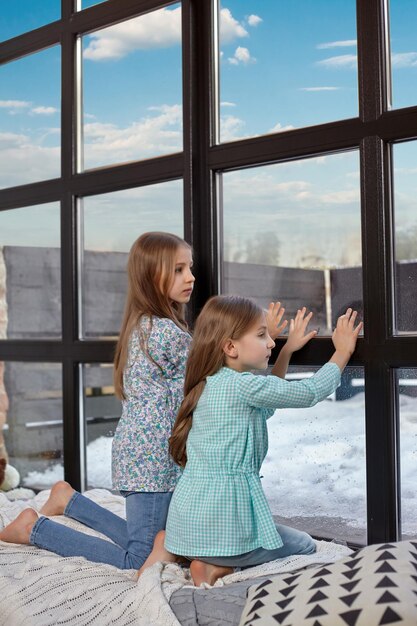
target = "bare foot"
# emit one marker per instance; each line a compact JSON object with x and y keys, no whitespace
{"x":61,"y":494}
{"x":19,"y":530}
{"x":202,"y":572}
{"x":159,"y":553}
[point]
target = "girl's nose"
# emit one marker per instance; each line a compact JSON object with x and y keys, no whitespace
{"x":271,"y":342}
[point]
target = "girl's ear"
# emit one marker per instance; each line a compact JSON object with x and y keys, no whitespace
{"x":230,"y":349}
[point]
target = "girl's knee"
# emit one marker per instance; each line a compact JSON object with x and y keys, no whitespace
{"x":308,"y":545}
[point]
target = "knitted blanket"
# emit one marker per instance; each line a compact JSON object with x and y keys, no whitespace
{"x":39,"y":588}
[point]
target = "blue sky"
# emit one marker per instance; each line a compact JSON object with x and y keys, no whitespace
{"x":282,"y":66}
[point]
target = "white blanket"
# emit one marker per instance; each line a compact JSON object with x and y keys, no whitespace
{"x":39,"y":588}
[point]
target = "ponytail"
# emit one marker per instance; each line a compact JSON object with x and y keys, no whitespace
{"x":183,"y":423}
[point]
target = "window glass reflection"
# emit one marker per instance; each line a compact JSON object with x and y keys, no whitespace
{"x":279,"y":72}
{"x":292,"y":233}
{"x":314,"y":474}
{"x":405,"y":211}
{"x":101,"y":413}
{"x":30,"y":272}
{"x":403,"y":20}
{"x":141,"y":116}
{"x":30,"y":122}
{"x":31,"y":416}
{"x":407,"y":391}
{"x":110,"y":224}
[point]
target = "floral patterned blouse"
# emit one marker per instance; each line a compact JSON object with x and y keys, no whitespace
{"x":154,"y":391}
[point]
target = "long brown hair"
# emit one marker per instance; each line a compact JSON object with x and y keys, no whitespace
{"x":222,"y":318}
{"x":150,"y":272}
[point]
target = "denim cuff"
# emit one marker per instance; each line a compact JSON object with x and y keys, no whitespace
{"x":35,"y":528}
{"x":71,"y":502}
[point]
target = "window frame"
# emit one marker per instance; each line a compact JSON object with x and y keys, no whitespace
{"x":380,"y":352}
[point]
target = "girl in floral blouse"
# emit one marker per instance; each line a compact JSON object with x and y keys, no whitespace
{"x":149,"y":377}
{"x":219,"y":517}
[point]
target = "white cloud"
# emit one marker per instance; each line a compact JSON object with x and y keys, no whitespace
{"x":265,"y":184}
{"x":340,"y":197}
{"x":241,"y":55}
{"x":11,"y":140}
{"x":150,"y":136}
{"x":265,"y":188}
{"x":231,"y":127}
{"x":405,"y":170}
{"x":230,"y":28}
{"x":14,"y":104}
{"x":348,"y":61}
{"x":319,"y":88}
{"x":254,"y":20}
{"x":158,"y":29}
{"x":404,"y":59}
{"x":44,"y":110}
{"x":227,"y":104}
{"x":23,"y":159}
{"x":353,"y":176}
{"x":278,"y":128}
{"x":347,"y":43}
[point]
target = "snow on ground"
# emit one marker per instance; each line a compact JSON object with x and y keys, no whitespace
{"x":315,"y":464}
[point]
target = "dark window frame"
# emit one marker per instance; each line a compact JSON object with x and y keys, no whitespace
{"x":380,"y":351}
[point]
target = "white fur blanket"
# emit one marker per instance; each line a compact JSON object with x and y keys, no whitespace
{"x":39,"y":588}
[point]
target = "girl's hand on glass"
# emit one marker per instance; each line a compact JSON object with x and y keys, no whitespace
{"x":274,"y":315}
{"x":346,"y":334}
{"x":297,"y":335}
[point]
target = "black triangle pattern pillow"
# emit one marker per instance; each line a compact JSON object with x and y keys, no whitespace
{"x":374,"y":586}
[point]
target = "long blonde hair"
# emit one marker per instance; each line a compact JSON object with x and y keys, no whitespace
{"x":150,"y":272}
{"x":222,"y":318}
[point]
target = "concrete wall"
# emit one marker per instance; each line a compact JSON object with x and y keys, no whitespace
{"x":33,"y":292}
{"x":104,"y":292}
{"x":292,"y":286}
{"x":346,"y":290}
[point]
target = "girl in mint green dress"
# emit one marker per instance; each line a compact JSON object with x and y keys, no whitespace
{"x":219,"y":517}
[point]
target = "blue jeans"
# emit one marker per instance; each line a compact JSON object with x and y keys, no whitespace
{"x":133,"y":538}
{"x":294,"y":542}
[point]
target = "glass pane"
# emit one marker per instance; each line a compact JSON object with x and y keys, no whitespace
{"x":314,"y":474}
{"x":403,"y":20}
{"x":89,"y":3}
{"x":102,"y":411}
{"x":405,"y":207}
{"x":264,"y":88}
{"x":30,"y":272}
{"x":292,"y":232}
{"x":141,"y":116}
{"x":407,"y":389}
{"x":30,"y":122}
{"x":20,"y":16}
{"x":111,"y":223}
{"x":33,"y":431}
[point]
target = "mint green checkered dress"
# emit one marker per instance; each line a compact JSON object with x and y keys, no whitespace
{"x":219,"y":507}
